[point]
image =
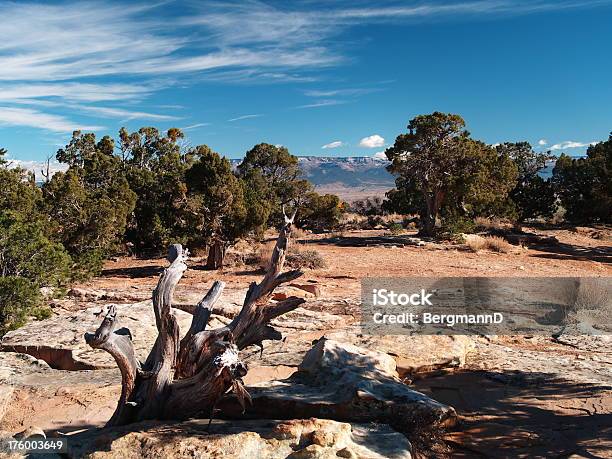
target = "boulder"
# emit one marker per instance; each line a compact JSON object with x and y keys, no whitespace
{"x":262,"y":439}
{"x":413,"y":354}
{"x":310,"y":288}
{"x":346,"y":383}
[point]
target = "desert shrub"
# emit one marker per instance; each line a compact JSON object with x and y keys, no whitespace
{"x":589,"y":302}
{"x":498,"y":244}
{"x":309,"y":259}
{"x":297,"y":258}
{"x":28,"y":261}
{"x":453,"y":224}
{"x":26,"y":252}
{"x":396,"y":228}
{"x":496,"y":226}
{"x":492,"y":243}
{"x":372,"y":205}
{"x":320,"y":211}
{"x":584,"y":186}
{"x":298,"y":233}
{"x":19,"y":298}
{"x":475,"y":243}
{"x":488,"y":224}
{"x":374,"y":221}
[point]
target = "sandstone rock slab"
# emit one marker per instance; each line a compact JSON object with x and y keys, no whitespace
{"x":265,"y":439}
{"x":346,"y":383}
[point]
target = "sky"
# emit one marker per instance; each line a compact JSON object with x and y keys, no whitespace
{"x":322,"y":78}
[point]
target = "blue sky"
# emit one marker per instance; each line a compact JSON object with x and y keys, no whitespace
{"x":322,"y":78}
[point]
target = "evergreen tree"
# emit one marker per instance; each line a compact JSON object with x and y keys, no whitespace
{"x":87,"y":207}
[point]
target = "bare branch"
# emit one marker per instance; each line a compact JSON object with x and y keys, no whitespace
{"x":117,"y":343}
{"x":249,"y":326}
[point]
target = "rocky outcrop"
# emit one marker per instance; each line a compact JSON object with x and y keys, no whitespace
{"x":59,"y":340}
{"x":344,"y":382}
{"x":264,"y":439}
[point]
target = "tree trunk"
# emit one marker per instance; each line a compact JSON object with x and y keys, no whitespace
{"x":182,"y":378}
{"x":216,"y":254}
{"x":428,"y":226}
{"x":433,"y":202}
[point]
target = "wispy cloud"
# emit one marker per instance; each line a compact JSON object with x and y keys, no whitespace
{"x":334,"y":144}
{"x":194,"y":126}
{"x":13,"y":116}
{"x":245,"y":117}
{"x":71,"y":40}
{"x":571,"y":144}
{"x":340,"y":92}
{"x":323,"y":103}
{"x":74,"y":91}
{"x":542,"y":142}
{"x":372,"y":141}
{"x":109,"y":112}
{"x":105,"y":51}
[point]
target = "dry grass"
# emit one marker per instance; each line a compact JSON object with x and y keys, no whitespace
{"x":492,"y":243}
{"x":298,"y":257}
{"x":498,"y":244}
{"x":588,"y":301}
{"x":475,"y":243}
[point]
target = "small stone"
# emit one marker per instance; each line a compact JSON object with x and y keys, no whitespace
{"x":347,"y":453}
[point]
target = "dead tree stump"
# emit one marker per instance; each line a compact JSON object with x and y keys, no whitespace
{"x":186,"y":377}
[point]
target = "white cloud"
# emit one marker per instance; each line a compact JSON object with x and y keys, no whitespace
{"x":245,"y":117}
{"x":380,"y":155}
{"x":372,"y":141}
{"x":571,"y":144}
{"x":334,"y":144}
{"x":11,"y":116}
{"x":542,"y":142}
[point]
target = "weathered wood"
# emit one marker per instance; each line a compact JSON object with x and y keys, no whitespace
{"x":180,"y":379}
{"x":117,"y":343}
{"x":216,"y":254}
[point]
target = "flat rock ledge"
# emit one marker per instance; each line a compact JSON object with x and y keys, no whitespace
{"x":265,"y":439}
{"x":346,"y":383}
{"x":59,"y":340}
